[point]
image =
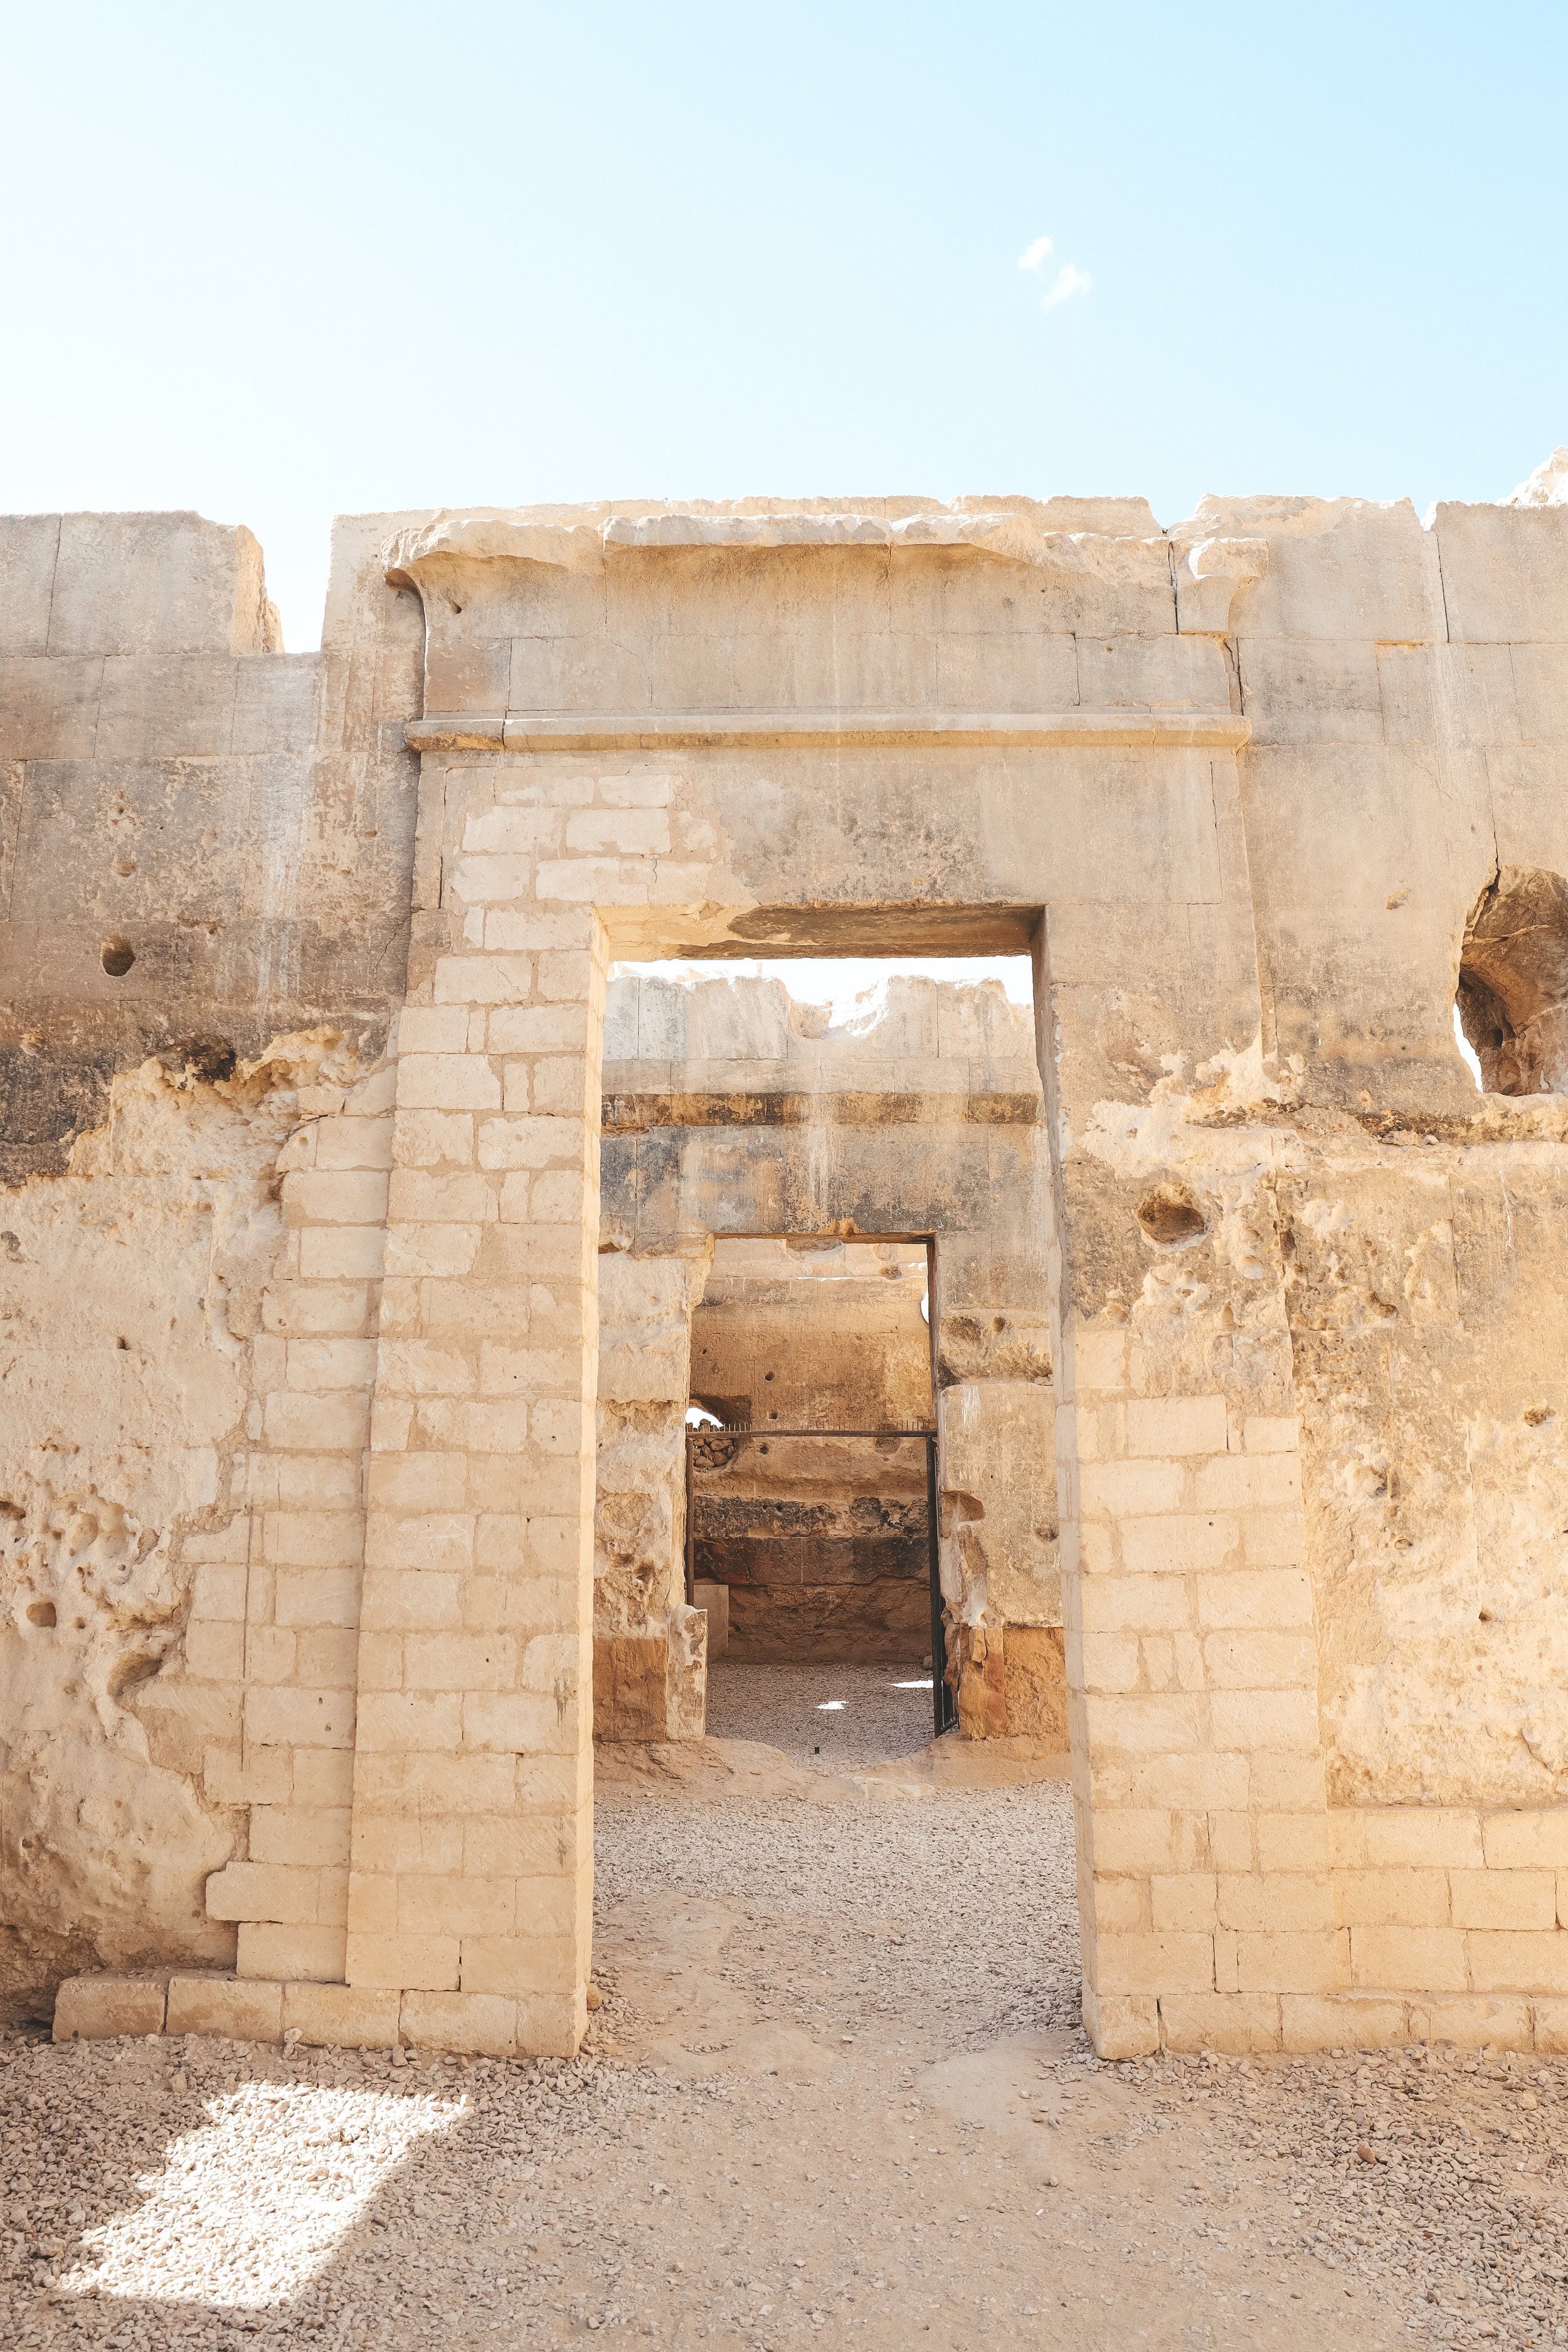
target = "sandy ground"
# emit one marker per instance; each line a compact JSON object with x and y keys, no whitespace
{"x":836,"y":2092}
{"x":838,"y":1717}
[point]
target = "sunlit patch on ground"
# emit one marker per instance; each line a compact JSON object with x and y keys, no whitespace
{"x":247,"y":2210}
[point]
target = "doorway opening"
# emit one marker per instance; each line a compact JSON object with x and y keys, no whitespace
{"x":811,"y":1512}
{"x":824,"y":1364}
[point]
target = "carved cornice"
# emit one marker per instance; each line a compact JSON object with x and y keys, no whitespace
{"x":816,"y":730}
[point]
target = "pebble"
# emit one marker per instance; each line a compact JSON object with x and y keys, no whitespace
{"x":378,"y":2202}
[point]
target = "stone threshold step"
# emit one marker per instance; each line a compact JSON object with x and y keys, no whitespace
{"x":330,"y":2016}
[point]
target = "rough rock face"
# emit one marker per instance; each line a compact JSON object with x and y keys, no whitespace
{"x":133,"y":1289}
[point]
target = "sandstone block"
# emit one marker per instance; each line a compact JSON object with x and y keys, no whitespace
{"x":1143,"y":1841}
{"x":1471,"y":2021}
{"x":1121,"y":2026}
{"x":551,"y":2025}
{"x":383,"y":1962}
{"x":1273,"y":1539}
{"x":1247,"y":1482}
{"x":1232,"y":1847}
{"x":1405,"y":1836}
{"x":1289,"y":1961}
{"x":429,"y":1903}
{"x":1158,"y":1426}
{"x":342,"y":1253}
{"x":1550,"y":2021}
{"x":1407,"y":1898}
{"x":1199,"y":1782}
{"x":1410,"y":1959}
{"x":1178,"y":1542}
{"x":244,"y":2010}
{"x":1251,"y":1719}
{"x":1144,"y":1723}
{"x":1252,"y":1660}
{"x":1148,"y":1604}
{"x":155,"y":583}
{"x":1255,"y":1598}
{"x":482,"y":2023}
{"x":308,"y":1955}
{"x":214,"y":1652}
{"x":1516,"y":1899}
{"x":1152,"y":1963}
{"x":1131,"y":1489}
{"x":1121,"y":1904}
{"x":1311,"y":2021}
{"x":97,"y":2008}
{"x":1526,"y":1840}
{"x":1276,"y":1902}
{"x":430,"y":1029}
{"x":522,"y":1966}
{"x":1266,"y":1433}
{"x":1181,"y":1903}
{"x":629,"y":1686}
{"x":299,"y":1718}
{"x":340,"y":2016}
{"x":300,"y":1833}
{"x":1291,"y":1842}
{"x":255,"y":1890}
{"x":1234,"y":2022}
{"x":1506,"y":1962}
{"x":1034,"y":1676}
{"x":1098,"y":1361}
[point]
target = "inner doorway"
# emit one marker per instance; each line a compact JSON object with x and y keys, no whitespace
{"x":871,"y":1145}
{"x":811,"y":1495}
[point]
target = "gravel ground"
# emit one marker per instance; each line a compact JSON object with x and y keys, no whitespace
{"x":843,"y":1718}
{"x":836,"y":2091}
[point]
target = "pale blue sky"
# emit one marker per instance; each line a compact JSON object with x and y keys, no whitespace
{"x":286,"y":261}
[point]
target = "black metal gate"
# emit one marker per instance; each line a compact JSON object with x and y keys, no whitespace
{"x":944,"y":1712}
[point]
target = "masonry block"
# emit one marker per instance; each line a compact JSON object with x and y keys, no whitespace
{"x":244,"y":2009}
{"x":99,"y":2007}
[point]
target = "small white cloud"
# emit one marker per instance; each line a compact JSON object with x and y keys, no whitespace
{"x":1033,"y":255}
{"x":1068,"y":281}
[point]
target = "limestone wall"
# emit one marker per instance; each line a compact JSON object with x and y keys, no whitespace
{"x":204,"y":848}
{"x":303,"y":1103}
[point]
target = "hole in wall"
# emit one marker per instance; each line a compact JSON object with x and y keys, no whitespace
{"x":41,"y":1613}
{"x":211,"y":1059}
{"x":1170,"y":1216}
{"x":1512,"y":1002}
{"x":117,"y":956}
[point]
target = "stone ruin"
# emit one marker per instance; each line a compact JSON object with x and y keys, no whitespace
{"x":339,"y":1243}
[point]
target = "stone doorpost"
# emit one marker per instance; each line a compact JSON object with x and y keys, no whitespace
{"x":471,"y":1868}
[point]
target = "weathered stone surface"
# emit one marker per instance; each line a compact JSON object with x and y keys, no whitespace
{"x":97,"y":2007}
{"x":317,"y":1539}
{"x":1033,"y":1683}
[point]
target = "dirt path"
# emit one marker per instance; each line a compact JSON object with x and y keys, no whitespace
{"x":837,"y":2093}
